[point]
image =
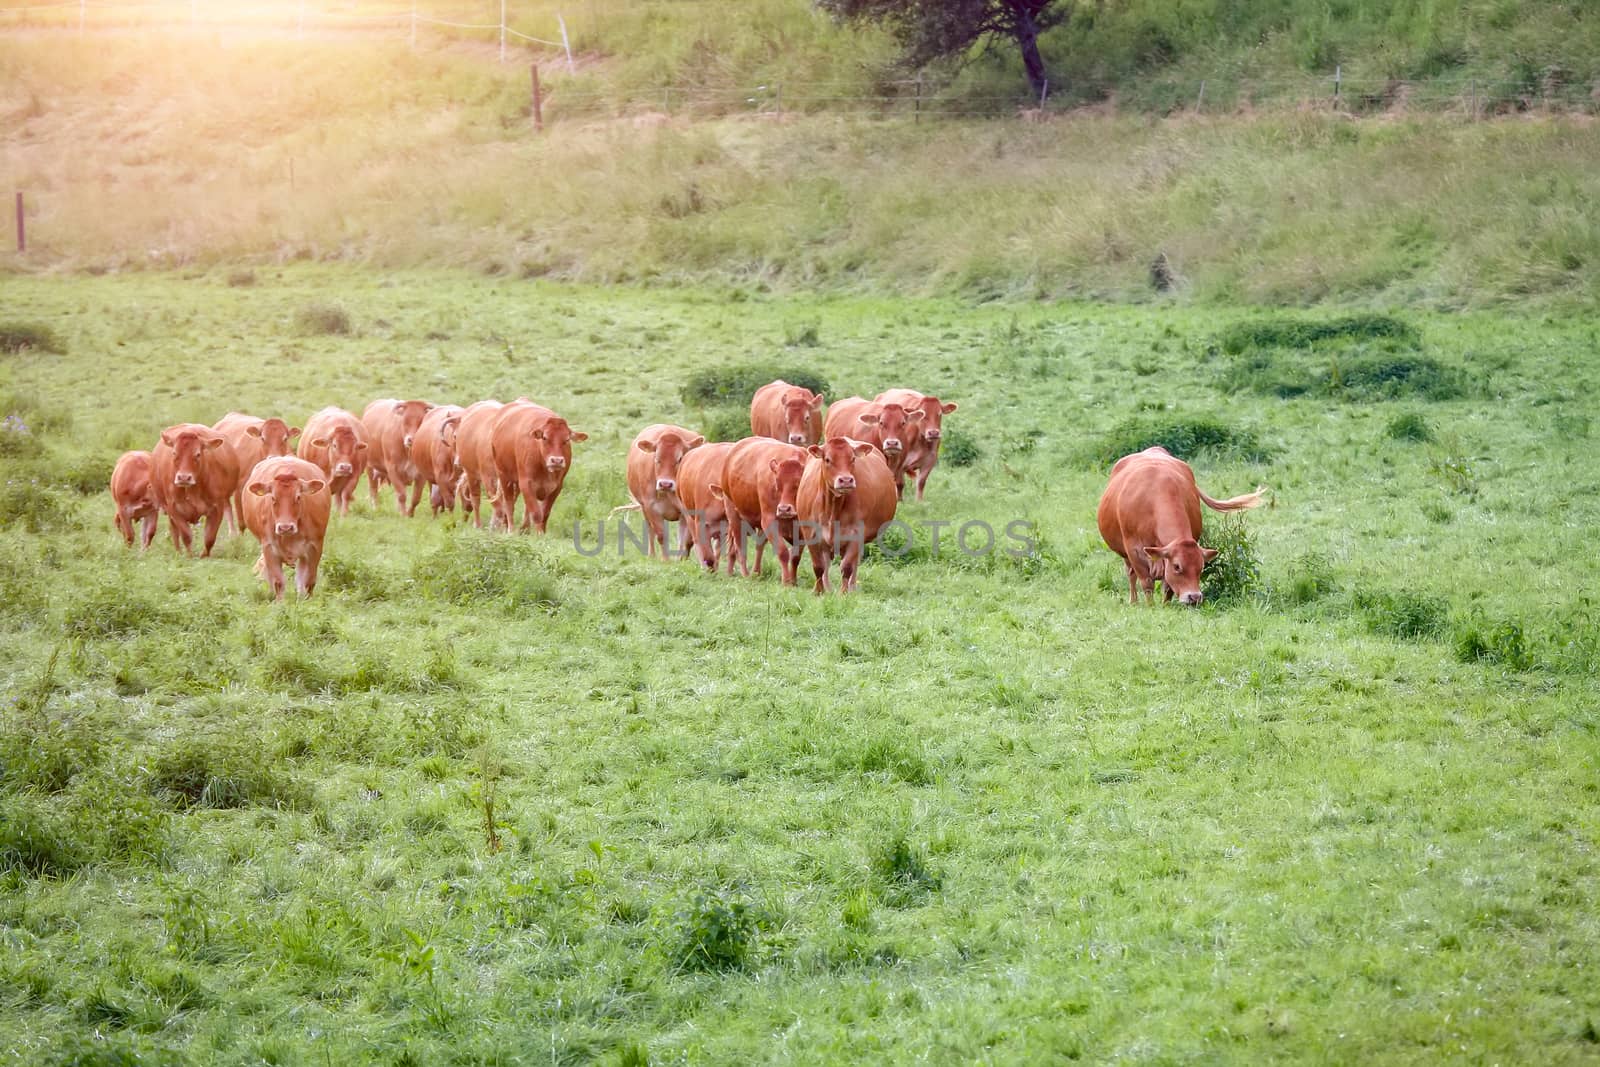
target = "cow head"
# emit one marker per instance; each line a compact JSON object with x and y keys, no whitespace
{"x":785,"y":485}
{"x":410,"y":413}
{"x":1178,"y":566}
{"x":799,"y":406}
{"x":344,"y":450}
{"x":555,"y":438}
{"x":895,"y":424}
{"x":275,"y":434}
{"x":284,"y":491}
{"x":669,"y":452}
{"x":188,"y":446}
{"x":838,"y":455}
{"x":933,"y":413}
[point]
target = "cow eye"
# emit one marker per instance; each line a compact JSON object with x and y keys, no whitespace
{"x":1177,"y":568}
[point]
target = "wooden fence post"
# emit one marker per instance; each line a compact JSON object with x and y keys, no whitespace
{"x":22,"y":230}
{"x":538,"y":100}
{"x":1200,"y":98}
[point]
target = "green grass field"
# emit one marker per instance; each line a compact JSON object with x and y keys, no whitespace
{"x":487,"y":800}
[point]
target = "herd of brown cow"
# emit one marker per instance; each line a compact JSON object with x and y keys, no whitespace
{"x":802,"y":481}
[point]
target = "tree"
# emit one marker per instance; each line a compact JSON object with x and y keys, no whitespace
{"x":931,"y":30}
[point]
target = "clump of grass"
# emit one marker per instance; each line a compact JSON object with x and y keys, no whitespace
{"x":224,"y":773}
{"x":509,"y":572}
{"x":1408,"y":426}
{"x":18,"y":337}
{"x":322,"y":319}
{"x":1504,"y":643}
{"x":738,"y":382}
{"x":803,"y":335}
{"x":1185,"y":438}
{"x":902,"y":874}
{"x":31,"y":503}
{"x":356,"y":577}
{"x":241,"y":279}
{"x":1412,"y":616}
{"x":1280,"y":332}
{"x":17,"y":440}
{"x":1311,"y":578}
{"x":714,"y":932}
{"x":959,"y":449}
{"x":726,"y":424}
{"x":1235,"y":573}
{"x":46,"y":758}
{"x":1385,"y":377}
{"x":117,"y":610}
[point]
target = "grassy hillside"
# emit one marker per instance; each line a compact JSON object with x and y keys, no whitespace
{"x":983,"y":811}
{"x":366,"y":152}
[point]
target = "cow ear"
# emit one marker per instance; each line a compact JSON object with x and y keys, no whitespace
{"x":645,"y":446}
{"x":863,"y":448}
{"x":948,"y":408}
{"x":314,"y":485}
{"x":166,"y":438}
{"x":698,"y":441}
{"x":319,"y":442}
{"x":214,"y":442}
{"x":816,"y":401}
{"x":253,"y":431}
{"x":537,"y":435}
{"x":816,"y":451}
{"x":1208,"y":554}
{"x":1155,"y":553}
{"x":915,"y":416}
{"x":580,"y":436}
{"x":294,"y":431}
{"x":716,"y":490}
{"x":772,"y":465}
{"x":399,"y":407}
{"x":258,"y":488}
{"x":361,"y":446}
{"x":867,"y":417}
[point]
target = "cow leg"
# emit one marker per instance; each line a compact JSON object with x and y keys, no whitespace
{"x":149,"y":523}
{"x":922,"y":480}
{"x":849,"y":561}
{"x":541,"y":513}
{"x":272,"y":566}
{"x":182,"y":539}
{"x":821,"y":559}
{"x":373,"y":478}
{"x":1133,"y":584}
{"x":416,"y":496}
{"x":305,"y":571}
{"x":124,"y":526}
{"x":213,"y":528}
{"x":657,"y":535}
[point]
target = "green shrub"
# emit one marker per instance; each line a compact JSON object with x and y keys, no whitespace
{"x":737,"y":383}
{"x":29,"y":336}
{"x":224,"y":773}
{"x":959,"y":449}
{"x":902,"y":874}
{"x":726,"y":424}
{"x":1412,"y":616}
{"x":322,"y":319}
{"x":1408,"y":427}
{"x":29,"y":502}
{"x":1301,"y":333}
{"x":506,"y":571}
{"x":1236,"y":570}
{"x":355,"y":577}
{"x":1503,"y":643}
{"x":715,"y":932}
{"x":1385,"y":377}
{"x":1185,"y":438}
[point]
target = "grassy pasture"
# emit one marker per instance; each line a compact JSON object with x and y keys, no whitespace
{"x":984,"y":811}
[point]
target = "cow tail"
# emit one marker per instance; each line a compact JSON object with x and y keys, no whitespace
{"x":635,"y":506}
{"x":1237,"y":503}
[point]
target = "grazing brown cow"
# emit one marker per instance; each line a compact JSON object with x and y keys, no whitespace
{"x":532,"y":449}
{"x":253,"y":440}
{"x":286,"y":506}
{"x":786,"y":412}
{"x":653,"y":462}
{"x":889,"y":428}
{"x":760,"y":481}
{"x":922,"y":454}
{"x":705,"y":512}
{"x":391,"y":426}
{"x":846,"y":496}
{"x":475,"y":456}
{"x":134,"y":497}
{"x":433,"y":454}
{"x":1150,"y":516}
{"x":194,"y":473}
{"x":335,"y":440}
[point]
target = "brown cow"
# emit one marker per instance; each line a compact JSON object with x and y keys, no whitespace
{"x":705,"y":511}
{"x":760,"y":480}
{"x":433,"y":454}
{"x":475,"y":457}
{"x":846,"y":496}
{"x":653,"y":460}
{"x":786,"y":412}
{"x":1150,"y":516}
{"x":532,"y":449}
{"x":193,"y":473}
{"x":286,"y":506}
{"x":391,"y":426}
{"x":922,"y":455}
{"x":889,"y":428}
{"x":335,"y":441}
{"x":134,"y":497}
{"x":253,"y":440}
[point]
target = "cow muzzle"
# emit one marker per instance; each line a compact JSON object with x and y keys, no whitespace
{"x":665,"y":485}
{"x":343,"y":470}
{"x":932,"y":435}
{"x":786,"y":511}
{"x":408,"y":440}
{"x":893,"y":446}
{"x":287,"y":528}
{"x":184,"y":480}
{"x":798,"y":439}
{"x":1192,"y":600}
{"x":844,"y":484}
{"x":555,"y":463}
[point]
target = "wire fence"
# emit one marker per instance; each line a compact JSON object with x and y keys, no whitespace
{"x":520,"y":36}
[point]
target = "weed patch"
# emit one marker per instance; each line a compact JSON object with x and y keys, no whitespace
{"x":1278,"y":332}
{"x":224,"y":773}
{"x":1186,"y":438}
{"x":959,"y":449}
{"x":18,"y":337}
{"x":714,"y":932}
{"x":322,"y":319}
{"x":1235,"y":573}
{"x":901,"y":873}
{"x":1408,"y":427}
{"x":737,"y":383}
{"x":1502,"y":643}
{"x":508,"y":572}
{"x":1412,"y":616}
